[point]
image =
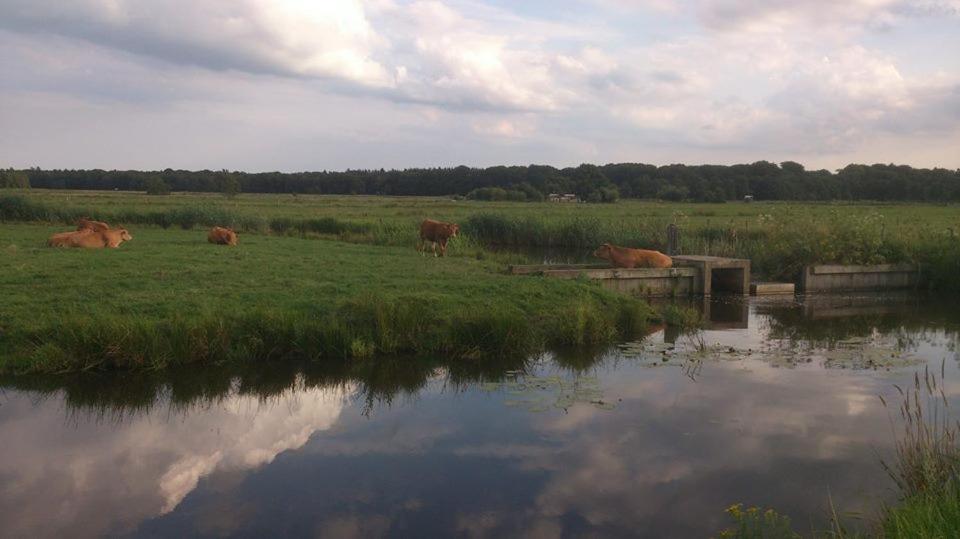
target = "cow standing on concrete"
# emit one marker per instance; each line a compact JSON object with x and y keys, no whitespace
{"x":437,"y":233}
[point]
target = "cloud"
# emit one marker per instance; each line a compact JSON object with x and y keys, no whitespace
{"x":787,"y":15}
{"x":285,"y":37}
{"x":731,"y":80}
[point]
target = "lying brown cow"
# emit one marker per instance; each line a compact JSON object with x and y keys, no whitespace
{"x":89,"y":238}
{"x":622,"y":257}
{"x":436,"y":232}
{"x":222,"y":236}
{"x":96,"y":226}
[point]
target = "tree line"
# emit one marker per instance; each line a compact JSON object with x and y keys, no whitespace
{"x":762,"y":180}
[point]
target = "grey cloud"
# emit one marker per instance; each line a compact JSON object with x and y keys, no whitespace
{"x":239,"y":35}
{"x":734,"y":14}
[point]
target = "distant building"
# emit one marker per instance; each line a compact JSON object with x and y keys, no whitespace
{"x":566,"y":197}
{"x":748,"y":198}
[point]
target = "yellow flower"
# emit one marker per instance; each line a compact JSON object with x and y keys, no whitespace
{"x":735,"y":510}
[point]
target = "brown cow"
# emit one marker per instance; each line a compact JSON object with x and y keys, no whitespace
{"x":436,"y":232}
{"x":222,"y":236}
{"x":91,"y":239}
{"x":96,"y":226}
{"x":622,"y":257}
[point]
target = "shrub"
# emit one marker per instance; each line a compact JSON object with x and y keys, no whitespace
{"x":156,"y":186}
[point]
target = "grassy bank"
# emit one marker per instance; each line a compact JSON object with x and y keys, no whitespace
{"x":779,"y":238}
{"x":169,"y":298}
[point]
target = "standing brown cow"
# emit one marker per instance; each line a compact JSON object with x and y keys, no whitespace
{"x":222,"y":236}
{"x":437,"y":232}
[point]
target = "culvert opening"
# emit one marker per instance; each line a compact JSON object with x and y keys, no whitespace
{"x":726,"y":281}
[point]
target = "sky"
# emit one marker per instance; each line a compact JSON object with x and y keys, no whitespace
{"x":292,"y":85}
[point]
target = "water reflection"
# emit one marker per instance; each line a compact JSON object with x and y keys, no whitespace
{"x":599,"y":444}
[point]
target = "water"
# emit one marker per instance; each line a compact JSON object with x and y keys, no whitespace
{"x":779,"y":408}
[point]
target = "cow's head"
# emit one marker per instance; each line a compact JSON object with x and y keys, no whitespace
{"x":603,"y":251}
{"x":124,"y":235}
{"x":453,"y":229}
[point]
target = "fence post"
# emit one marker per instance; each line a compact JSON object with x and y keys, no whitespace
{"x":673,"y":239}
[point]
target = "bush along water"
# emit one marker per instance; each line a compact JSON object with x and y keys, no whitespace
{"x":361,"y":327}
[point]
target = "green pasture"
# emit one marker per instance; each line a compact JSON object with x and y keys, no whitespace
{"x":169,"y":297}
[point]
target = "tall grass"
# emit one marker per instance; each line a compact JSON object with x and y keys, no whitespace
{"x":926,"y":466}
{"x":778,"y":247}
{"x":20,"y":208}
{"x":927,"y":450}
{"x":359,"y":328}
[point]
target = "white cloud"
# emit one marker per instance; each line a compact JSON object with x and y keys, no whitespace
{"x":289,"y":37}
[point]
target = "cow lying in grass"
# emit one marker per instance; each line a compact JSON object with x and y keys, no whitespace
{"x":622,"y":257}
{"x":437,"y":233}
{"x":90,"y":238}
{"x":222,"y":236}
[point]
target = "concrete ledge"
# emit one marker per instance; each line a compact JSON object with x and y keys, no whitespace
{"x":690,"y":275}
{"x":836,"y":278}
{"x":828,"y":269}
{"x":622,"y":273}
{"x":769,"y":289}
{"x":534,"y":269}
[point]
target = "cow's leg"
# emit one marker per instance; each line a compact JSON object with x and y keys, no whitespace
{"x":433,"y":245}
{"x":443,"y":247}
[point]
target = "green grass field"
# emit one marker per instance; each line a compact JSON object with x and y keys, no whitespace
{"x":338,"y":275}
{"x":779,"y":238}
{"x":169,"y":297}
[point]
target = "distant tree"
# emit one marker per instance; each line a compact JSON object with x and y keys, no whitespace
{"x":14,"y":179}
{"x":532,"y":193}
{"x":229,"y":184}
{"x":591,"y":185}
{"x":792,"y":167}
{"x":763,"y":180}
{"x":156,"y":186}
{"x":672,"y":193}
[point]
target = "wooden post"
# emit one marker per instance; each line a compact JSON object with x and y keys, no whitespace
{"x":673,"y":239}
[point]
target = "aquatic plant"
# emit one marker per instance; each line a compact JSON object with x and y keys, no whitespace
{"x":684,"y":318}
{"x":927,"y":460}
{"x":757,"y":523}
{"x":926,"y":466}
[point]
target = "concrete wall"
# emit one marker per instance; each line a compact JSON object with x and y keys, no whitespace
{"x":641,"y":281}
{"x":833,"y":278}
{"x":691,"y":275}
{"x":681,"y":281}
